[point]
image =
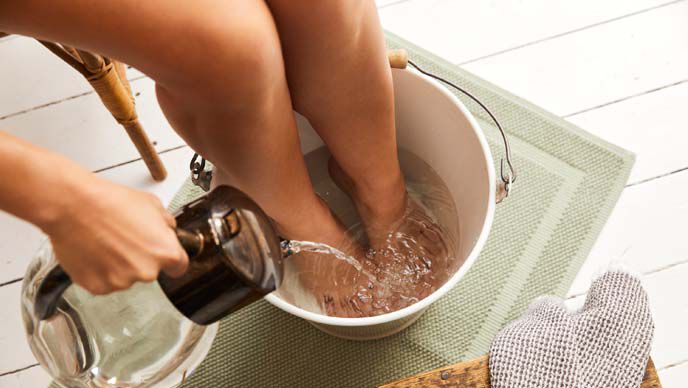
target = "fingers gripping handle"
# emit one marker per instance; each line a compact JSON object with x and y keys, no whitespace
{"x":50,"y":290}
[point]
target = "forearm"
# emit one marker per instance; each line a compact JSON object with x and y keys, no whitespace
{"x":35,"y":184}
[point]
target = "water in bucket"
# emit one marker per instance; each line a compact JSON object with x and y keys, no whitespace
{"x":410,"y":263}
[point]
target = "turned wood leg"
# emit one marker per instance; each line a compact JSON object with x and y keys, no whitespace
{"x":138,"y":135}
{"x":117,"y":97}
{"x":115,"y":93}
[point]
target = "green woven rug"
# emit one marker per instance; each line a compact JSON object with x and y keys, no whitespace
{"x":568,"y":183}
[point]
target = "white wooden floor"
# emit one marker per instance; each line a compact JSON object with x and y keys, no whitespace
{"x":617,"y":68}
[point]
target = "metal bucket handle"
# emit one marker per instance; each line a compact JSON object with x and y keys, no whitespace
{"x":398,"y":59}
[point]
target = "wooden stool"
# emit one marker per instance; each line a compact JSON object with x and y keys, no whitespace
{"x":476,"y":374}
{"x":108,"y":79}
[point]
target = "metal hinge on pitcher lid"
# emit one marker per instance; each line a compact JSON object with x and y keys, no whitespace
{"x":199,"y":175}
{"x":507,"y":177}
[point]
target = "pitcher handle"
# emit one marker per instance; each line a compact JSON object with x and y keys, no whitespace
{"x":57,"y":281}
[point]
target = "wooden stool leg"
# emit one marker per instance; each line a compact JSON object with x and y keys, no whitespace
{"x":138,"y":135}
{"x":148,"y":153}
{"x":122,"y":73}
{"x":117,"y":97}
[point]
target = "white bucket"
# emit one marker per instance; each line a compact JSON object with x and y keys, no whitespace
{"x":434,"y":125}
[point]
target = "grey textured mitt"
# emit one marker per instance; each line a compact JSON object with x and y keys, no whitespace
{"x":606,"y":344}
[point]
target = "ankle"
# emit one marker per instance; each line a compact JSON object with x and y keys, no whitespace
{"x":383,"y":198}
{"x":380,"y":198}
{"x":315,"y":223}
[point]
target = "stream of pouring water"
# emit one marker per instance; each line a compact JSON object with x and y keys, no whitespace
{"x":296,"y":246}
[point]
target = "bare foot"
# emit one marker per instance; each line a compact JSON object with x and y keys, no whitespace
{"x":408,"y":260}
{"x":316,"y":224}
{"x":409,"y":253}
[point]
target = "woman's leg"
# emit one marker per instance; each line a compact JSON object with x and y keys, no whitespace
{"x":339,"y":77}
{"x":220,"y":81}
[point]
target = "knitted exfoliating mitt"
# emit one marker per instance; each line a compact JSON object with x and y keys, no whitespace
{"x":606,"y":344}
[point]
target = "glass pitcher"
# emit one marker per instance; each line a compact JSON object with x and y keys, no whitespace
{"x":154,"y":334}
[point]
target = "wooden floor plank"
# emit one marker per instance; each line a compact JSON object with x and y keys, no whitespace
{"x":20,"y":240}
{"x":31,"y":76}
{"x":387,"y":3}
{"x":84,"y":131}
{"x":675,"y":376}
{"x":34,"y":377}
{"x":597,"y":65}
{"x":667,"y":293}
{"x":12,"y":335}
{"x":461,"y":31}
{"x":646,"y":231}
{"x":649,"y":126}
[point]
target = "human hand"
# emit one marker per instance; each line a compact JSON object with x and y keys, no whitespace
{"x":107,"y":237}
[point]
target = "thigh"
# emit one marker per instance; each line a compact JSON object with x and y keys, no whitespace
{"x":166,"y":39}
{"x":339,"y":77}
{"x":336,"y":44}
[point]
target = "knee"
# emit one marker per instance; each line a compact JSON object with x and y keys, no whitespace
{"x":231,"y":54}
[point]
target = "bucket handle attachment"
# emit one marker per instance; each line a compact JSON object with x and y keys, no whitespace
{"x":398,"y":59}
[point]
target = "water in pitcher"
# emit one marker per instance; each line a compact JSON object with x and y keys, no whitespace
{"x":125,"y":339}
{"x":411,"y":262}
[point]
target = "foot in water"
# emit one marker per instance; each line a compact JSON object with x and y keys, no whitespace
{"x":406,"y":261}
{"x":339,"y":288}
{"x":408,"y":253}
